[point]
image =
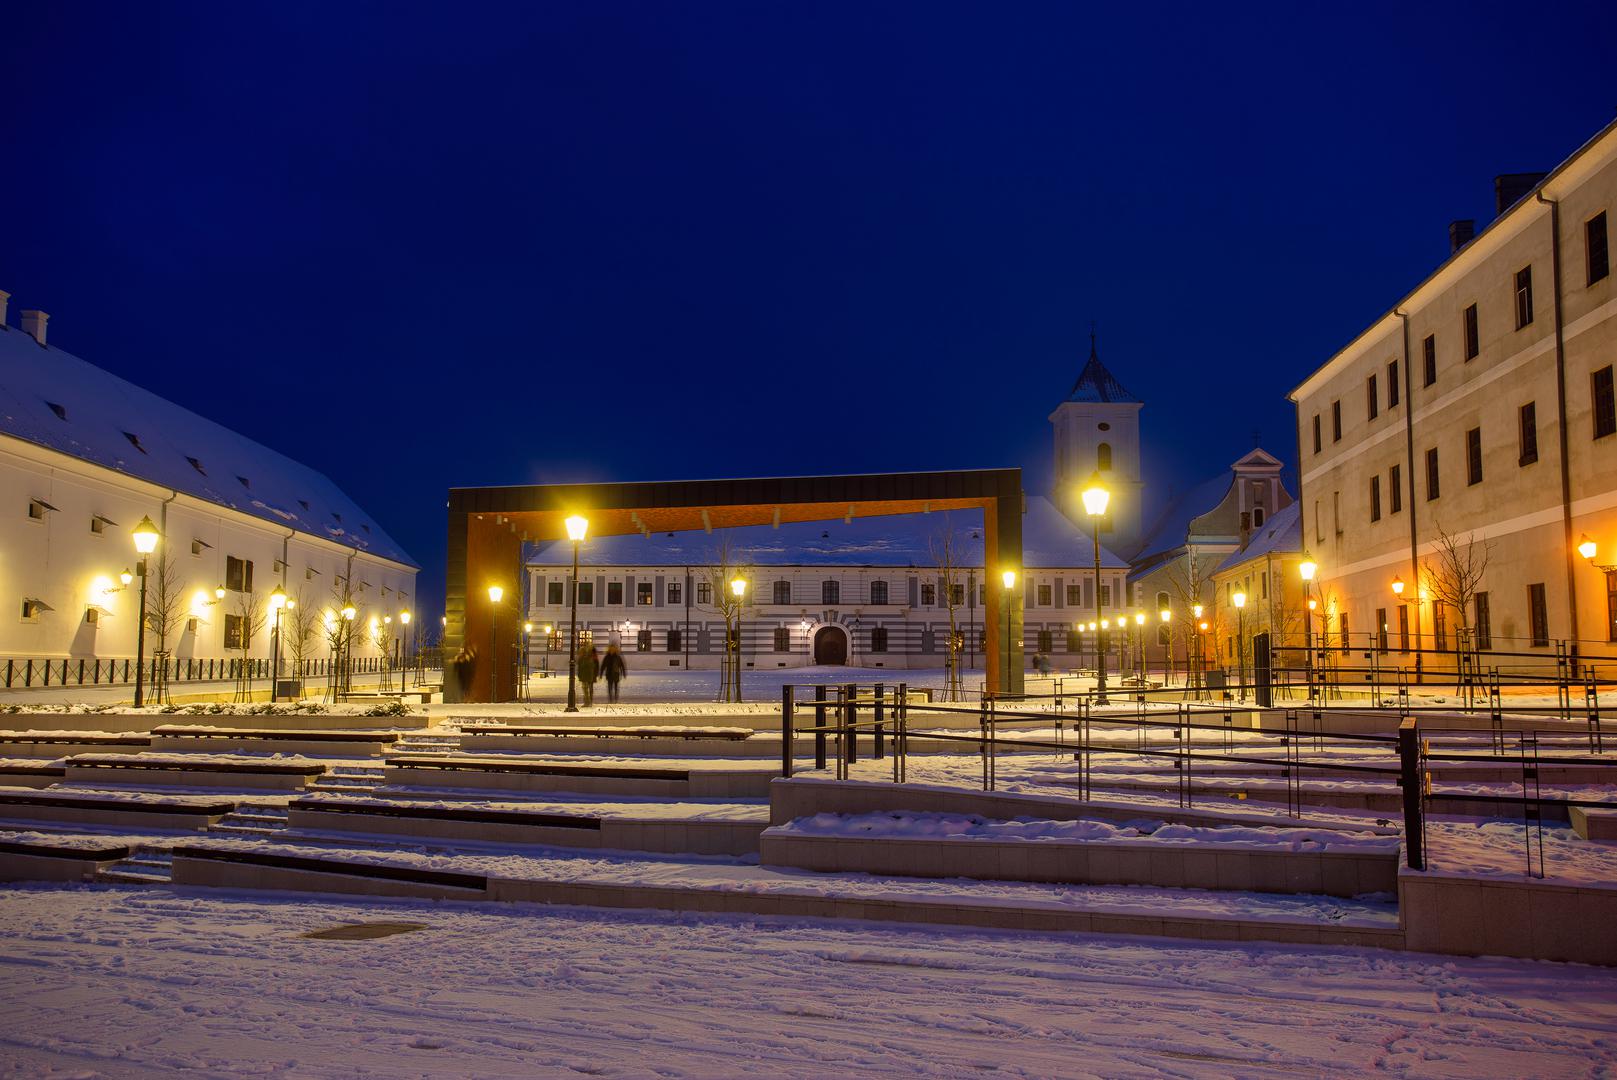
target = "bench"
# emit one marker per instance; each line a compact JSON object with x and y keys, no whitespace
{"x":729,"y":734}
{"x":529,"y":775}
{"x":240,"y":869}
{"x":31,"y":860}
{"x":339,"y":743}
{"x":111,"y":810}
{"x":136,"y":769}
{"x":53,"y":744}
{"x":34,"y":776}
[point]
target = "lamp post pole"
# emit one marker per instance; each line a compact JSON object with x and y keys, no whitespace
{"x":1095,"y":497}
{"x":278,"y":602}
{"x":1008,"y":578}
{"x":576,"y":527}
{"x":1239,"y":599}
{"x":145,"y":537}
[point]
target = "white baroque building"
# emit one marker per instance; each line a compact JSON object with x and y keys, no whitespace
{"x":85,"y":455}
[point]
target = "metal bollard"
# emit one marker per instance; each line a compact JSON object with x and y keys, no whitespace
{"x":786,"y":731}
{"x":819,"y":726}
{"x":1409,"y":779}
{"x":880,"y":717}
{"x":850,"y":717}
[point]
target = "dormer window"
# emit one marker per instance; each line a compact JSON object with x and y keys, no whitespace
{"x":336,"y":517}
{"x":244,"y":483}
{"x":134,"y":440}
{"x":304,"y":503}
{"x":59,"y":410}
{"x":197,"y":465}
{"x":99,"y":523}
{"x":38,"y":508}
{"x":198,"y":546}
{"x":33,"y":608}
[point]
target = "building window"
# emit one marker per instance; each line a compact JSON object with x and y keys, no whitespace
{"x":1046,"y":644}
{"x":830,"y":592}
{"x":1381,"y":630}
{"x":929,"y":595}
{"x":1603,"y":401}
{"x":675,"y":591}
{"x":236,"y":633}
{"x":1538,"y":618}
{"x":1336,"y":421}
{"x":1440,"y":626}
{"x":1527,"y":433}
{"x":1484,"y":624}
{"x":1372,"y":402}
{"x":614,"y":593}
{"x":1594,"y":246}
{"x":1044,"y":596}
{"x":1395,"y":488}
{"x":555,"y":594}
{"x":1433,"y":490}
{"x":585,"y":592}
{"x":783,"y":639}
{"x":1342,"y":625}
{"x":1375,"y":498}
{"x":676,"y":641}
{"x":1319,"y":532}
{"x":957,"y":595}
{"x":1103,"y":456}
{"x":1429,"y":360}
{"x":1524,"y":297}
{"x":878,"y":639}
{"x":1473,"y":343}
{"x":1257,"y":517}
{"x":642,"y":641}
{"x":1392,"y":384}
{"x":878,"y":592}
{"x":1403,"y":629}
{"x":642,"y":593}
{"x":783,"y":592}
{"x":1105,"y":596}
{"x":238,"y":574}
{"x":1075,"y":595}
{"x":1473,"y":456}
{"x":704,"y":592}
{"x":1611,"y":601}
{"x":1317,"y":444}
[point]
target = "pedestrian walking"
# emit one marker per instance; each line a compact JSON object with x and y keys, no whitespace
{"x":589,"y":669}
{"x":613,"y":669}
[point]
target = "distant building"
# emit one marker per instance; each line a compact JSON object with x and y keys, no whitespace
{"x":1097,"y":430}
{"x":1479,"y":407}
{"x":1265,"y":569}
{"x":84,"y":456}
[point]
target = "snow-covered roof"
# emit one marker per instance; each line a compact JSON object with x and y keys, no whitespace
{"x":54,"y":399}
{"x":1282,"y":533}
{"x":1173,"y":524}
{"x":1049,"y":541}
{"x":1096,"y":384}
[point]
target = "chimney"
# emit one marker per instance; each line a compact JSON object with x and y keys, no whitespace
{"x":1509,"y":188}
{"x":1460,"y":233}
{"x":33,"y":324}
{"x":4,"y":296}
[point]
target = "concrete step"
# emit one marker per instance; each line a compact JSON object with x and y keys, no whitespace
{"x":247,"y":830}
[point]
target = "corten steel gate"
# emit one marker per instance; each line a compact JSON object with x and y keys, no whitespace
{"x":488,"y":526}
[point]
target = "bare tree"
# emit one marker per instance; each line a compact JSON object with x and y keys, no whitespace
{"x":250,"y":616}
{"x":340,"y":635}
{"x":165,"y":607}
{"x":382,"y":635}
{"x":719,"y":575}
{"x":298,"y":629}
{"x":945,"y":556}
{"x":1451,"y":579}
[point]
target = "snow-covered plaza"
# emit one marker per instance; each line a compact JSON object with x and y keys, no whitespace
{"x":105,"y":981}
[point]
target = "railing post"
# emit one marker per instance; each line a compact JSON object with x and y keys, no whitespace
{"x":880,"y":717}
{"x":901,"y":734}
{"x":786,"y":731}
{"x":850,"y":717}
{"x":819,"y":726}
{"x":1409,"y":779}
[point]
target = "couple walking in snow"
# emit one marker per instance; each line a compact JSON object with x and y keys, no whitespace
{"x":592,"y":665}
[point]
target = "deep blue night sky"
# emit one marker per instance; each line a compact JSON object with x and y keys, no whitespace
{"x":418,"y":246}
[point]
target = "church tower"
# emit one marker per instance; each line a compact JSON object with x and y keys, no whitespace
{"x":1097,"y":429}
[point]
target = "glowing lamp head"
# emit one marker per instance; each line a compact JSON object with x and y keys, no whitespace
{"x":1139,"y":618}
{"x":738,"y":587}
{"x":348,"y":613}
{"x":1106,"y":624}
{"x":290,"y":604}
{"x":126,"y":577}
{"x":1196,"y":611}
{"x":1009,"y":578}
{"x":577,"y":526}
{"x":145,"y":536}
{"x":548,"y":629}
{"x":527,"y":628}
{"x":1307,"y":568}
{"x":1312,"y":603}
{"x":404,"y":617}
{"x":1239,"y":599}
{"x":218,"y":592}
{"x":388,"y":620}
{"x":1164,"y":614}
{"x":1095,"y":496}
{"x":278,"y":598}
{"x":495,"y":592}
{"x":1398,"y":586}
{"x":1586,"y":546}
{"x":1203,"y":627}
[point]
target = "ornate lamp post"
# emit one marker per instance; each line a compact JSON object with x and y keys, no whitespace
{"x":1308,"y":568}
{"x":738,"y":589}
{"x":277,"y":605}
{"x":576,"y":528}
{"x":404,"y":655}
{"x":145,"y":537}
{"x":1095,"y":497}
{"x":495,"y":594}
{"x":1239,"y":600}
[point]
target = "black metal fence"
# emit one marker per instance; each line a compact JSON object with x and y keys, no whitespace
{"x":92,"y":671}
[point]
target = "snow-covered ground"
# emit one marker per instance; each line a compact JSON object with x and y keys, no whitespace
{"x":109,"y":982}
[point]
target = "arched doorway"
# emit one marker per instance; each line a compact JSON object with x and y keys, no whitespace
{"x":831,"y":645}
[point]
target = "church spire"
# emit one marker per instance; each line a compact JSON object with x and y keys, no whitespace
{"x":1095,"y":383}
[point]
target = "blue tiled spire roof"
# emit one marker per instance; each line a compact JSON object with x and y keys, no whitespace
{"x":1095,"y":383}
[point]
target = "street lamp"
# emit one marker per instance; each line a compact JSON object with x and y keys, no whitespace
{"x":1308,"y":568}
{"x":345,"y":662}
{"x":1139,"y":643}
{"x":1166,"y":640}
{"x":1008,"y":579}
{"x":145,"y":537}
{"x":1239,"y":600}
{"x":577,"y":526}
{"x":277,"y":605}
{"x":404,"y":621}
{"x":1095,"y":498}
